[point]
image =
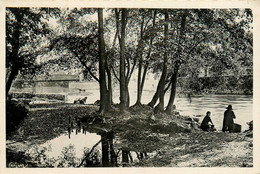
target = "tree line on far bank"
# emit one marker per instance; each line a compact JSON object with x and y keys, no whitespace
{"x":172,"y":43}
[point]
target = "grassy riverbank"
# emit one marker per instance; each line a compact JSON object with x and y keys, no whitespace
{"x":173,"y":140}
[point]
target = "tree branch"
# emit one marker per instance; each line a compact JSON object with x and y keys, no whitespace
{"x":145,"y":26}
{"x":151,"y":40}
{"x":169,"y":84}
{"x":88,"y":68}
{"x":117,"y":23}
{"x":90,"y":72}
{"x":128,"y":69}
{"x":114,"y":41}
{"x":196,"y":44}
{"x":132,"y":70}
{"x":114,"y":72}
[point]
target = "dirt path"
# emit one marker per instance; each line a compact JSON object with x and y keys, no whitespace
{"x":203,"y":150}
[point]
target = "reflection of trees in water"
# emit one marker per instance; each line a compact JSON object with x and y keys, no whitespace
{"x":108,"y":152}
{"x":113,"y":157}
{"x":109,"y":156}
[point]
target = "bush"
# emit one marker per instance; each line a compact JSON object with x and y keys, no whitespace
{"x":15,"y":114}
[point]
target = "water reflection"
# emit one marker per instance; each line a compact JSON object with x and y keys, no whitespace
{"x":81,"y":141}
{"x":112,"y":155}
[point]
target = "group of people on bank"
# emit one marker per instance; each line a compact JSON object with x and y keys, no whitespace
{"x":228,"y":121}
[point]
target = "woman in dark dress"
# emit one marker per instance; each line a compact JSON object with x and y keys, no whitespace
{"x":228,"y":121}
{"x":205,"y":123}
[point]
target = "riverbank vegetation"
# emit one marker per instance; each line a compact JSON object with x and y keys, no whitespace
{"x":237,"y":85}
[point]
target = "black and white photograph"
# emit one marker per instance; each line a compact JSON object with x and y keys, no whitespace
{"x":128,"y":87}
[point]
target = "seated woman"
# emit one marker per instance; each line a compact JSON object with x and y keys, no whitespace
{"x":207,"y":124}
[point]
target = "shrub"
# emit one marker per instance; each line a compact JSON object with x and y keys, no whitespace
{"x":15,"y":114}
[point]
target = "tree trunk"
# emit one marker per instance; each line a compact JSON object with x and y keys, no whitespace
{"x":123,"y":97}
{"x":110,"y":90}
{"x":160,"y":106}
{"x":138,"y":101}
{"x":139,"y":92}
{"x":143,"y":79}
{"x":127,"y":96}
{"x":168,"y":86}
{"x":102,"y":64}
{"x":169,"y":107}
{"x":155,"y":97}
{"x":140,"y":65}
{"x":109,"y":85}
{"x":9,"y":81}
{"x":16,"y":62}
{"x":177,"y":65}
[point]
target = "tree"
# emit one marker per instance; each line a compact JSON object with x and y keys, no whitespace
{"x":77,"y":40}
{"x":123,"y":95}
{"x":122,"y":69}
{"x":169,"y":107}
{"x":157,"y":64}
{"x":25,"y":38}
{"x":161,"y":84}
{"x":146,"y":33}
{"x":222,"y":35}
{"x":88,"y":47}
{"x":134,"y":43}
{"x":212,"y":38}
{"x":104,"y":95}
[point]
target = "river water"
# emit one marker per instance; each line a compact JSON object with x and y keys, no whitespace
{"x":216,"y":104}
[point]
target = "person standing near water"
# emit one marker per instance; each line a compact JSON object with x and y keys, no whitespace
{"x":205,"y":123}
{"x":228,"y":121}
